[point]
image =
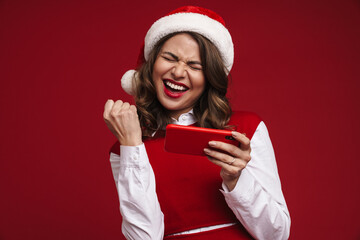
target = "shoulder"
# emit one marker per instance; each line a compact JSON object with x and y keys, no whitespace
{"x":244,"y":116}
{"x":245,"y":122}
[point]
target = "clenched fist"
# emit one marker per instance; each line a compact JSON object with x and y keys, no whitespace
{"x":123,"y":121}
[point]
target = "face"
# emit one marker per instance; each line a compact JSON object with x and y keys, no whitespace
{"x":177,"y":74}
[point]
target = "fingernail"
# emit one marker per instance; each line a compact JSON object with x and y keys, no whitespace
{"x":211,"y":143}
{"x":206,"y":150}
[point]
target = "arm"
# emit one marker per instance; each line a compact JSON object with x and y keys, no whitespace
{"x":134,"y":177}
{"x":257,"y":199}
{"x":135,"y":182}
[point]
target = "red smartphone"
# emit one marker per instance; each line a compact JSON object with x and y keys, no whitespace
{"x":193,"y":140}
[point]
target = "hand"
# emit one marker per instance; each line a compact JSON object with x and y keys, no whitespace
{"x":122,"y":120}
{"x":232,"y":159}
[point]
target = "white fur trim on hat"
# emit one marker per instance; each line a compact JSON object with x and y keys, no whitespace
{"x":192,"y":22}
{"x":127,"y":81}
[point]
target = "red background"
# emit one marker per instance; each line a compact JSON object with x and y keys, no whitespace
{"x":297,"y":65}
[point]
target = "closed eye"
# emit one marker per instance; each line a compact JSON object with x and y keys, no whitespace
{"x":194,"y":65}
{"x":168,"y":59}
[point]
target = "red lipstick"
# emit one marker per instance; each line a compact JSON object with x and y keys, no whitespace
{"x":174,"y":93}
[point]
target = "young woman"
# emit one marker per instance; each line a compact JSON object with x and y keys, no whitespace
{"x":182,"y":79}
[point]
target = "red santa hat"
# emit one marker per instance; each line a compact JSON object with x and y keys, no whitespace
{"x":189,"y":19}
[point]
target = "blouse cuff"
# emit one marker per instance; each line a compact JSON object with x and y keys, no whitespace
{"x":133,"y":156}
{"x":243,"y":191}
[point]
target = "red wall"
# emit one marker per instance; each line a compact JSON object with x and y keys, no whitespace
{"x":297,"y":65}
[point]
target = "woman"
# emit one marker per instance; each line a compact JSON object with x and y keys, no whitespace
{"x":182,"y":79}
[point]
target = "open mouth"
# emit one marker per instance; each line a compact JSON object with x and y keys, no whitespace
{"x":175,"y":87}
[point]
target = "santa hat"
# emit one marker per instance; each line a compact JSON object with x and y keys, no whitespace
{"x":190,"y":19}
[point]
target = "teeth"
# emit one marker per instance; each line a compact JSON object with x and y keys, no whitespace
{"x":175,"y":87}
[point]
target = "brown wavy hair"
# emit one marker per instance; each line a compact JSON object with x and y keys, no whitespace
{"x":212,"y":109}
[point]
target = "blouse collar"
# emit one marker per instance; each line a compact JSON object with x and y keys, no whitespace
{"x":185,"y":119}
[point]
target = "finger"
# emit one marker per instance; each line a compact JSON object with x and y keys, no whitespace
{"x":128,"y":112}
{"x":226,"y":147}
{"x":219,"y":163}
{"x":133,"y":108}
{"x":244,"y":141}
{"x":116,"y":108}
{"x":125,"y":107}
{"x":225,"y":158}
{"x":125,"y":114}
{"x":107,"y":108}
{"x":118,"y":104}
{"x":233,"y":170}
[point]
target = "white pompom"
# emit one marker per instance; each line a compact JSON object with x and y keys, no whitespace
{"x":127,"y":82}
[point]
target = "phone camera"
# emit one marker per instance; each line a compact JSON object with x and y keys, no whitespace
{"x":229,"y":138}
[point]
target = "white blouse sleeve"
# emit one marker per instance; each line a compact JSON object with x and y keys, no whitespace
{"x":139,"y":205}
{"x":257,"y":199}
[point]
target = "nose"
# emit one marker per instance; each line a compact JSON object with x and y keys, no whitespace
{"x":179,"y":70}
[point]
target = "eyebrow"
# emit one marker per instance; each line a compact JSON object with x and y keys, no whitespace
{"x":172,"y":55}
{"x":177,"y":58}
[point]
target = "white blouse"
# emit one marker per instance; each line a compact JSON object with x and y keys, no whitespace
{"x":257,"y":199}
